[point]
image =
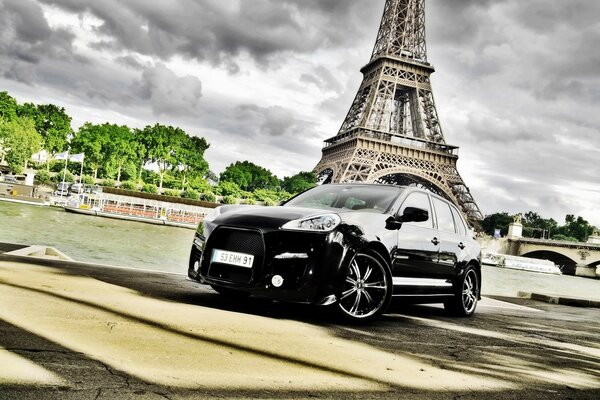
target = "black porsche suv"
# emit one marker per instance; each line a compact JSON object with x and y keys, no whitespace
{"x":352,"y":246}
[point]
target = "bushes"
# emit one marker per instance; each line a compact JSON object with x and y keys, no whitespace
{"x":59,"y":177}
{"x":229,"y":200}
{"x":43,"y":178}
{"x":108,"y":183}
{"x":149,"y":188}
{"x":190,"y":194}
{"x":88,"y":180}
{"x":128,"y":185}
{"x":171,"y":192}
{"x":250,"y":201}
{"x":209,"y":196}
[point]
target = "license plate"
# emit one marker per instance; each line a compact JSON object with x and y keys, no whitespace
{"x":232,"y":258}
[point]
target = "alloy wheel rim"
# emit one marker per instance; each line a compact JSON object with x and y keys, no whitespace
{"x":469,"y":291}
{"x":365,"y":288}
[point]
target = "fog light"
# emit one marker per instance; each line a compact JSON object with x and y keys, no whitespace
{"x":196,"y":266}
{"x":277,"y":280}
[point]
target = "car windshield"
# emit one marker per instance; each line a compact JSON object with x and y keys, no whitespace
{"x":360,"y":197}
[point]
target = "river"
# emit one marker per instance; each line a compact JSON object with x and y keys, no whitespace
{"x":163,"y":248}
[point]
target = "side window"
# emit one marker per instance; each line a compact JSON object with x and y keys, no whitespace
{"x":418,"y":200}
{"x":459,"y":222}
{"x":444,"y":216}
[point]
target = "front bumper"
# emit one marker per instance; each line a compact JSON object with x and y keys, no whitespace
{"x":308,"y":263}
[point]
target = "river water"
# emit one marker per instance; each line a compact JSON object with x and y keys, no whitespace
{"x":163,"y":248}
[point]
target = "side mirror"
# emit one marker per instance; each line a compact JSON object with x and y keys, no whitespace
{"x":414,"y":214}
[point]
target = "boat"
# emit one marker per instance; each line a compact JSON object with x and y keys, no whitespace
{"x":521,"y":263}
{"x":136,"y":209}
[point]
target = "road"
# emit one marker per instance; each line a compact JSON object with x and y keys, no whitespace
{"x":79,"y":331}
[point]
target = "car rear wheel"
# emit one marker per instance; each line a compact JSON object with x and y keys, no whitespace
{"x":229,"y":292}
{"x":466,"y":294}
{"x":367,"y":288}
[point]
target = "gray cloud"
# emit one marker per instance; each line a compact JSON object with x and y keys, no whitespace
{"x":167,"y":93}
{"x":517,"y":84}
{"x":219,"y":31}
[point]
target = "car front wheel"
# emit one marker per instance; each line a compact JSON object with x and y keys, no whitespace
{"x":367,"y":289}
{"x":466,"y":294}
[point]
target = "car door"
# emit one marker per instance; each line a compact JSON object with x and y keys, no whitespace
{"x":416,"y":255}
{"x":450,"y":243}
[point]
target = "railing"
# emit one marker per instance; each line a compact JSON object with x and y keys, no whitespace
{"x":395,"y":139}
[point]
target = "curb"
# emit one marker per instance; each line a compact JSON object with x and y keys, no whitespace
{"x":565,"y":301}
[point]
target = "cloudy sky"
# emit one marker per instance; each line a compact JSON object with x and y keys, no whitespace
{"x":517,"y":84}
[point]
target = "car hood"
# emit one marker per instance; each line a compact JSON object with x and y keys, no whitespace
{"x":264,"y":217}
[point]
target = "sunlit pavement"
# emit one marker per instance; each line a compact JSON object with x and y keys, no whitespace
{"x":75,"y":331}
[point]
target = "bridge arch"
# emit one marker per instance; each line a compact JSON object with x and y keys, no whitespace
{"x":566,"y":264}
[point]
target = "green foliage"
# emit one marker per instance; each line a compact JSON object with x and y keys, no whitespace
{"x":266,"y":195}
{"x":163,"y":145}
{"x":51,"y":122}
{"x":209,"y":196}
{"x":88,"y":180}
{"x":300,"y":182}
{"x":149,"y":188}
{"x":496,"y":221}
{"x":250,"y":201}
{"x":108,"y":183}
{"x":172,"y":192}
{"x":190,"y":194}
{"x":8,"y":107}
{"x":564,"y":238}
{"x":575,"y":227}
{"x":92,"y":141}
{"x":150,"y":177}
{"x":128,"y":185}
{"x":18,"y":142}
{"x":171,"y":182}
{"x":269,"y":202}
{"x":229,"y":200}
{"x":43,"y":177}
{"x":69,"y":177}
{"x":189,"y":158}
{"x":228,"y":189}
{"x":249,"y":176}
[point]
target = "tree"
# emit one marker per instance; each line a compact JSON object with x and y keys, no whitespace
{"x":575,"y":227}
{"x":91,"y":140}
{"x":536,"y":226}
{"x":8,"y":107}
{"x":496,"y":221}
{"x":18,"y":142}
{"x":160,"y":143}
{"x":250,"y":177}
{"x":54,"y":125}
{"x":120,"y":147}
{"x":300,"y":182}
{"x":189,"y":157}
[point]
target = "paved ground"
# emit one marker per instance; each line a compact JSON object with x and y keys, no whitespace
{"x":74,"y":331}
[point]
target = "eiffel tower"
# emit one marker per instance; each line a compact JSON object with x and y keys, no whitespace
{"x":392,"y":133}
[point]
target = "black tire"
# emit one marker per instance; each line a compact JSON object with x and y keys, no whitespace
{"x":367,"y":289}
{"x":466,"y":294}
{"x":230,"y":292}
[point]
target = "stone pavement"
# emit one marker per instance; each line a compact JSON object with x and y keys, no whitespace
{"x":79,"y":331}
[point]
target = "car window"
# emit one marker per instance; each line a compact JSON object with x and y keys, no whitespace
{"x":418,"y":200}
{"x":374,"y":198}
{"x":459,"y":222}
{"x":444,"y":216}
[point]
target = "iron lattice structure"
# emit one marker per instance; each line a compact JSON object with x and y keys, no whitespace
{"x":392,"y":133}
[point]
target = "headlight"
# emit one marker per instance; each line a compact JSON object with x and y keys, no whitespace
{"x":320,"y":223}
{"x":211,"y":216}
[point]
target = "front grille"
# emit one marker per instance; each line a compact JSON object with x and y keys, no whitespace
{"x":239,"y":241}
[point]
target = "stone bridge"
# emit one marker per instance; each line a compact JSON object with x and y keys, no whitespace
{"x":569,"y":256}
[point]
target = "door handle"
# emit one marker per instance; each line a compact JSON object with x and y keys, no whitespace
{"x":435,"y":241}
{"x":461,"y":245}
